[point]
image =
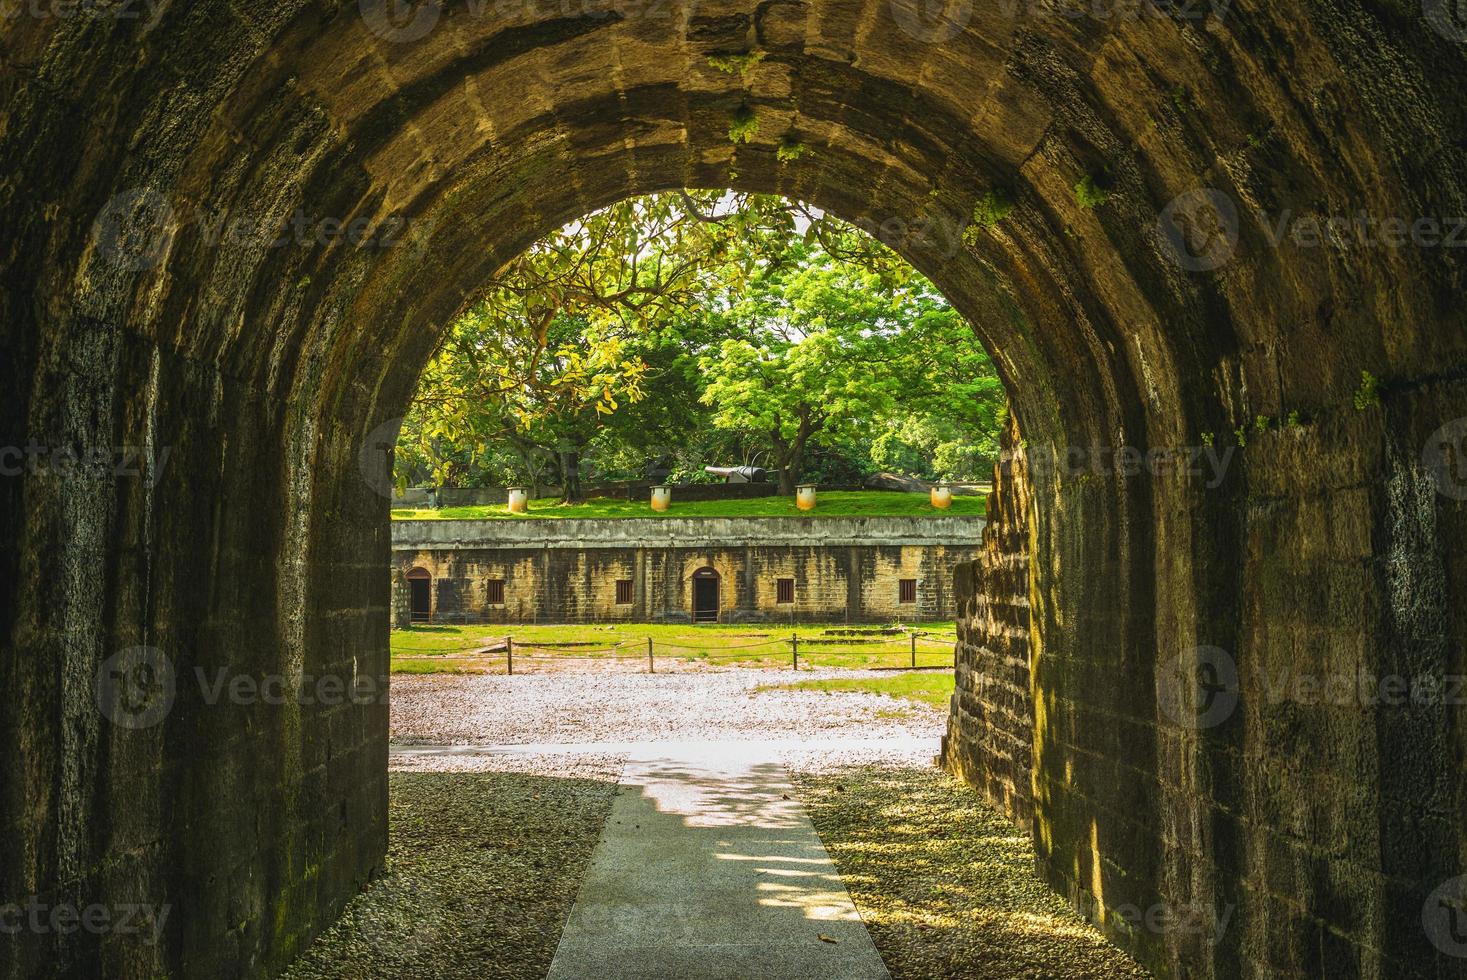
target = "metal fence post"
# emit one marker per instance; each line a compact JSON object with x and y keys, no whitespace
{"x":794,"y":651}
{"x":509,"y":653}
{"x":651,"y":667}
{"x":914,"y":649}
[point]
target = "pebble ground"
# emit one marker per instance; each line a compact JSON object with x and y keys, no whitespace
{"x":487,"y":851}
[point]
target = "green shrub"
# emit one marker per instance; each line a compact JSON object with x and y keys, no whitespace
{"x":743,"y":124}
{"x":1090,"y":192}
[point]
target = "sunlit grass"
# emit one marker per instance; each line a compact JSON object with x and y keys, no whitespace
{"x":426,"y":649}
{"x":930,"y":687}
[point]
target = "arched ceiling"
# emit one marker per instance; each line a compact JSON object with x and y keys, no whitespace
{"x":464,"y":131}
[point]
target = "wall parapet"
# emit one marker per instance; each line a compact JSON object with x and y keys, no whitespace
{"x":685,"y":532}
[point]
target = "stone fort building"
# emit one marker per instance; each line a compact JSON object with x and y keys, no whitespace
{"x":856,"y":569}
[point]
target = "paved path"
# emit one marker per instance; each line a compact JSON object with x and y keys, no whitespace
{"x":708,"y":868}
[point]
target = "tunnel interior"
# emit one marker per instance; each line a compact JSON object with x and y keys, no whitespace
{"x":235,"y":231}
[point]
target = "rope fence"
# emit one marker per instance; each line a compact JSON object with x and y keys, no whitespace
{"x":511,"y":650}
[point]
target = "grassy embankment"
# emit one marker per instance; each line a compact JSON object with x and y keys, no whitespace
{"x":852,"y":503}
{"x":451,"y":649}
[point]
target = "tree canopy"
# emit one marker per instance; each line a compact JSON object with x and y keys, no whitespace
{"x":697,"y":327}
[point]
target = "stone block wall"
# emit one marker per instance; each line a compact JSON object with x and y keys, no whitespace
{"x":844,"y":570}
{"x":990,"y":734}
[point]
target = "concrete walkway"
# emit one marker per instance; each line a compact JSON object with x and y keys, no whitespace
{"x":708,"y":868}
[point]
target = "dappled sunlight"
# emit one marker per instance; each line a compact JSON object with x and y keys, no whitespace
{"x":944,"y":883}
{"x":822,"y":906}
{"x":707,"y":852}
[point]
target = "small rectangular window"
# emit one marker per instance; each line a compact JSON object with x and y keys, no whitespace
{"x":495,"y":591}
{"x":785,"y":590}
{"x":623,"y":592}
{"x":907,"y":590}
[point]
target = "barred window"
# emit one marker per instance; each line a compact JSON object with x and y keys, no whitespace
{"x":785,"y":590}
{"x":623,"y":592}
{"x":907,"y":590}
{"x":495,"y":591}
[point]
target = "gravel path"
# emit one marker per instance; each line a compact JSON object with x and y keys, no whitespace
{"x":488,"y":847}
{"x":606,"y":706}
{"x":945,"y":885}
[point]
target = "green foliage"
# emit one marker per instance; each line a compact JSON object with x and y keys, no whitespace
{"x":1091,"y":192}
{"x":1262,"y":423}
{"x":743,"y":124}
{"x":789,"y":149}
{"x":993,"y":207}
{"x":701,"y":327}
{"x":740,"y":64}
{"x":1241,"y":432}
{"x":1368,"y":394}
{"x":934,"y":688}
{"x":1208,"y":439}
{"x":1294,"y":420}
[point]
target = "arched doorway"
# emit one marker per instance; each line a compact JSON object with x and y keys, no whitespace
{"x":420,"y":595}
{"x":706,"y":585}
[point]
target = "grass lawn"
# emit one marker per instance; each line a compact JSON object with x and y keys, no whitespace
{"x":451,"y":649}
{"x":836,"y":503}
{"x":932,"y":687}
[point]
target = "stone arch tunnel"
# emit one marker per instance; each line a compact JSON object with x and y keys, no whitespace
{"x":1197,"y":239}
